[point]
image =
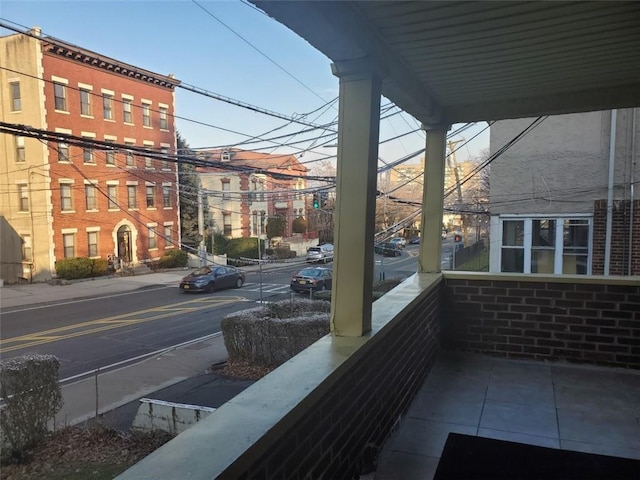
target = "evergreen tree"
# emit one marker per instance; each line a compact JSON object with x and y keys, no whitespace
{"x":189,"y":184}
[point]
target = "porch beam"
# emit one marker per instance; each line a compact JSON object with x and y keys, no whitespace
{"x":432,"y":201}
{"x":358,"y":136}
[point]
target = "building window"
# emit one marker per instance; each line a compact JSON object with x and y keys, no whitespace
{"x":132,"y":201}
{"x":165,"y":160}
{"x":226,"y":190}
{"x":63,"y":152}
{"x":163,"y":118}
{"x":16,"y":101}
{"x":130,"y":160}
{"x":255,"y":223}
{"x":66,"y":203}
{"x":27,"y":248}
{"x":127,"y":116}
{"x":263,"y":216}
{"x":166,"y":196}
{"x":546,"y":245}
{"x":153,"y":238}
{"x":146,"y":114}
{"x":69,"y":244}
{"x":226,"y":222}
{"x":110,"y":154}
{"x":112,"y":194}
{"x":92,"y":243}
{"x":23,"y":197}
{"x":20,"y":150}
{"x":148,"y":162}
{"x":85,"y":102}
{"x":60,"y":96}
{"x":90,"y":197}
{"x":107,"y":106}
{"x":168,"y":236}
{"x":87,"y":153}
{"x":151,"y":196}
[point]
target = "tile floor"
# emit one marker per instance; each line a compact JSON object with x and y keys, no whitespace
{"x":586,"y":409}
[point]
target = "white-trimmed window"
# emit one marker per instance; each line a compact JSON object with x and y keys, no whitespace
{"x":112,"y":194}
{"x":549,"y":245}
{"x":164,"y":149}
{"x":60,"y":96}
{"x":23,"y":197}
{"x":151,"y":196}
{"x":85,"y":102}
{"x":66,"y":201}
{"x":27,"y":248}
{"x":226,"y":223}
{"x":166,"y":196}
{"x":226,"y":189}
{"x":153,"y":236}
{"x":132,"y":200}
{"x":87,"y":151}
{"x":110,"y":154}
{"x":146,"y":114}
{"x":92,"y":243}
{"x":21,"y":155}
{"x":107,"y":106}
{"x":168,"y":235}
{"x":16,"y":100}
{"x":164,"y":124}
{"x":63,"y":152}
{"x":130,"y":160}
{"x":127,"y":115}
{"x":91,"y":197}
{"x":69,"y":245}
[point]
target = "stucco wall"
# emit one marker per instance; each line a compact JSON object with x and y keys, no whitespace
{"x":562,"y":165}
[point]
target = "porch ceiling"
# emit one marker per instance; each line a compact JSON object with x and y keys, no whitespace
{"x":450,"y":62}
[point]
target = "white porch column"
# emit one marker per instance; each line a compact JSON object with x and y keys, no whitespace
{"x":358,"y":136}
{"x":432,"y":201}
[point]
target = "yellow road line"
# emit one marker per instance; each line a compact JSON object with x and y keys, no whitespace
{"x":109,"y":323}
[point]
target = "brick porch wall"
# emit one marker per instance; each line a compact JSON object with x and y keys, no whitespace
{"x":579,"y":320}
{"x":361,"y":409}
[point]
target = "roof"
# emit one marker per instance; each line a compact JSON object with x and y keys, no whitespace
{"x":450,"y":62}
{"x":235,"y":157}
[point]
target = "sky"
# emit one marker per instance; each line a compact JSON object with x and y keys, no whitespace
{"x":234,"y":50}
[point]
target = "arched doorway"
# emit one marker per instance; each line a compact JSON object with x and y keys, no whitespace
{"x":124,"y":244}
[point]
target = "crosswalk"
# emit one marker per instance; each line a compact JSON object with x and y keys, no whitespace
{"x":266,"y":287}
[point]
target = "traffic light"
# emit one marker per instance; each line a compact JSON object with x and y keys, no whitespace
{"x":316,"y":201}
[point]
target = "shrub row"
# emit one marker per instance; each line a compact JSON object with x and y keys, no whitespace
{"x":81,"y":267}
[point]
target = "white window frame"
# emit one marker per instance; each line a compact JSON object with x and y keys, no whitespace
{"x":85,"y":92}
{"x":93,"y":231}
{"x":168,"y":235}
{"x":127,"y":109}
{"x":146,"y":114}
{"x":63,"y":185}
{"x":16,"y":100}
{"x":62,"y":83}
{"x":153,"y":236}
{"x":112,"y":200}
{"x":559,"y":240}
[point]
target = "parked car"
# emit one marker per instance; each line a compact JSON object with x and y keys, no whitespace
{"x":399,"y":241}
{"x":320,"y":254}
{"x":387,"y":249}
{"x":414,"y":241}
{"x":312,"y":278}
{"x":444,"y":233}
{"x":210,"y":278}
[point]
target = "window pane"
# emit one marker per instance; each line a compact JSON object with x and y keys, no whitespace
{"x":112,"y":192}
{"x":60,"y":97}
{"x":131,"y":192}
{"x":107,"y":106}
{"x":166,"y":196}
{"x":92,"y":201}
{"x":63,"y":152}
{"x":151,"y":197}
{"x":65,"y":197}
{"x":85,"y":102}
{"x":146,"y":115}
{"x":68,"y":244}
{"x":16,"y":101}
{"x":512,"y":260}
{"x":20,"y":150}
{"x":152,"y":238}
{"x":575,"y":258}
{"x":543,"y":241}
{"x":126,"y":110}
{"x":23,"y":197}
{"x":513,"y":233}
{"x":92,"y":240}
{"x":27,"y":249}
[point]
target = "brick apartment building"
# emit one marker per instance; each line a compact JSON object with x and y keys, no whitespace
{"x":61,"y":199}
{"x":253,"y":187}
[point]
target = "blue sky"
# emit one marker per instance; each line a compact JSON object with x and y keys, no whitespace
{"x":182,"y":38}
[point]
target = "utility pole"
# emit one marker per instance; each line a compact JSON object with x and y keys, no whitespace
{"x":202,"y":252}
{"x":454,"y":165}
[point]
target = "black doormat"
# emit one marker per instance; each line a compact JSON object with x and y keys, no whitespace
{"x":469,"y":457}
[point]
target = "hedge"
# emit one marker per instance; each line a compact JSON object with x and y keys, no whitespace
{"x":81,"y":267}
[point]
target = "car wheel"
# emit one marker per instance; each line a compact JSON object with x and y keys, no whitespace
{"x":210,"y":287}
{"x":239,"y":283}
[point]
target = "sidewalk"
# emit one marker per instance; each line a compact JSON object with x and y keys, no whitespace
{"x":131,"y":382}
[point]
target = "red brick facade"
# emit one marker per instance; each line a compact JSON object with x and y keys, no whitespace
{"x":621,"y":224}
{"x":99,"y":188}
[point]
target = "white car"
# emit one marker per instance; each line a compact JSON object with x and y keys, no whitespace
{"x":320,"y":254}
{"x":399,"y":242}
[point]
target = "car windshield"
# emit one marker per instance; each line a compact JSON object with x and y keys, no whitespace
{"x":313,"y":249}
{"x":201,"y":271}
{"x":310,"y":272}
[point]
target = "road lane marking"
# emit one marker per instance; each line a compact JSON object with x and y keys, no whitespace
{"x":110,"y":323}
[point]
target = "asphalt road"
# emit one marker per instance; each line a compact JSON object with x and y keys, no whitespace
{"x":100,"y":332}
